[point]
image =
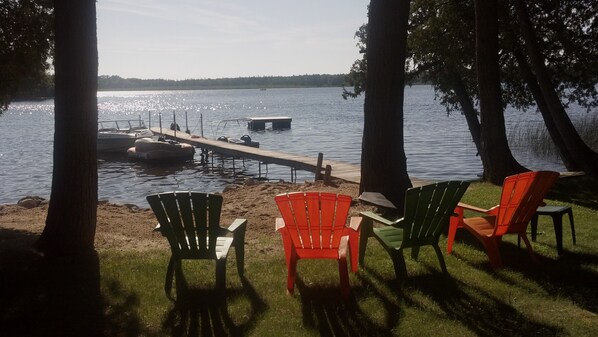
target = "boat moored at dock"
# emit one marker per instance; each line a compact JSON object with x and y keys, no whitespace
{"x":161,"y":150}
{"x":120,"y":135}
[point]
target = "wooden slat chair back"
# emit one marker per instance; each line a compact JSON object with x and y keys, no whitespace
{"x":427,"y":214}
{"x":314,"y":226}
{"x":520,"y":197}
{"x":190,"y":221}
{"x":428,"y":208}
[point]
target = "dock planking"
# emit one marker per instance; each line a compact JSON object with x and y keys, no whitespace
{"x":340,"y":170}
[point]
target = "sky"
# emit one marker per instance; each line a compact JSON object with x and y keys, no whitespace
{"x":197,"y":39}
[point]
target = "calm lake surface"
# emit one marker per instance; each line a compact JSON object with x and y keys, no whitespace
{"x":438,"y":145}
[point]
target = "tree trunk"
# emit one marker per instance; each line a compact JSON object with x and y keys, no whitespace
{"x":383,"y":160}
{"x":582,"y":155}
{"x":497,"y":159}
{"x":71,"y":222}
{"x":468,"y":109}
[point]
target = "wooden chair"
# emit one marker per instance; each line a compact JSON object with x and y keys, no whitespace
{"x":427,"y":212}
{"x":521,"y":195}
{"x":191,"y":223}
{"x":313,"y":226}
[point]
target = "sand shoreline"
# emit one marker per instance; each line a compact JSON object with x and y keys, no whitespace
{"x":129,"y":227}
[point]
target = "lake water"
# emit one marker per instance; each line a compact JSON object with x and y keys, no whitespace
{"x":438,"y":145}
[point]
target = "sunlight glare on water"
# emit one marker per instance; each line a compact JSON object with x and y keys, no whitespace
{"x":438,"y":146}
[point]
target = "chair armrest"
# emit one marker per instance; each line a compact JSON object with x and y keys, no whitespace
{"x":279,"y":223}
{"x":376,"y":217}
{"x":355,"y":222}
{"x":473,"y":208}
{"x":238,"y":223}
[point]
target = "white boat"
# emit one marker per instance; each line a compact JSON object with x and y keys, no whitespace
{"x":120,"y":135}
{"x":152,"y":150}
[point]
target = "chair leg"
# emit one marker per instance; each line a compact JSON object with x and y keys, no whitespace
{"x":398,"y":261}
{"x":534,"y":227}
{"x":221,"y":274}
{"x":455,"y":222}
{"x":529,"y":247}
{"x":570,"y":213}
{"x":365,"y":231}
{"x":354,"y":251}
{"x":291,"y":274}
{"x":491,"y":246}
{"x":414,"y":252}
{"x":557,"y":221}
{"x":169,"y":277}
{"x":344,"y":276}
{"x":440,"y":258}
{"x":239,"y":244}
{"x":240,"y":256}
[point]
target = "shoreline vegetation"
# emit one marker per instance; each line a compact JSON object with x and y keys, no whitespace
{"x":117,"y":83}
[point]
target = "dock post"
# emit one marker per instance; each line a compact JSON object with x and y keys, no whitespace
{"x":319,"y":166}
{"x":327,"y":174}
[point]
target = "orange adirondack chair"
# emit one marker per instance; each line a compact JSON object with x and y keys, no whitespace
{"x":521,"y":196}
{"x":313,"y":226}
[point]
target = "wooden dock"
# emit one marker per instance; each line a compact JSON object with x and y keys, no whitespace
{"x":340,"y":170}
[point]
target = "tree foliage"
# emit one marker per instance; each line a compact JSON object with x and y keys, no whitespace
{"x":26,"y":45}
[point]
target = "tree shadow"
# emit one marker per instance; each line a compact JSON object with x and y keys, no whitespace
{"x":325,"y":310}
{"x":205,"y":312}
{"x":59,"y":296}
{"x":571,"y":275}
{"x":484,"y":314}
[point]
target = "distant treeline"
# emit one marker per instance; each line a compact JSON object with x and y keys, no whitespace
{"x":297,"y":81}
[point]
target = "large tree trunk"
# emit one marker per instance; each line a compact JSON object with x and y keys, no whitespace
{"x":468,"y":109}
{"x":497,"y":159}
{"x":71,"y":222}
{"x":581,"y":154}
{"x":383,"y":160}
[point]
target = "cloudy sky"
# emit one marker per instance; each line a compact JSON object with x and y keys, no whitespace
{"x":180,"y":39}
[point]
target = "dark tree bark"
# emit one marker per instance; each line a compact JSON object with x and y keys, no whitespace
{"x":71,"y":222}
{"x":497,"y":159}
{"x":471,"y":116}
{"x":582,"y":155}
{"x":383,"y":160}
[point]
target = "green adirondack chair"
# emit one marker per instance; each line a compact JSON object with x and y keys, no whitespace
{"x":427,"y":213}
{"x":191,"y":223}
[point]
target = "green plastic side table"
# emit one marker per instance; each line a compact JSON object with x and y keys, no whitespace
{"x":557,"y":213}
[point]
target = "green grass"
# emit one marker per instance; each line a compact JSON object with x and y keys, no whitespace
{"x":557,"y":297}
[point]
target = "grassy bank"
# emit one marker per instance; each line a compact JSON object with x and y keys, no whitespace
{"x":558,"y":296}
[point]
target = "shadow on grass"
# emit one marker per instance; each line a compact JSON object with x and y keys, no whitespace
{"x":58,"y":296}
{"x":477,"y":309}
{"x":484,"y":314}
{"x":205,"y":312}
{"x":325,"y":310}
{"x":569,"y":275}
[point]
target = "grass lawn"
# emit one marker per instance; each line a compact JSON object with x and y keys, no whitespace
{"x":558,"y":296}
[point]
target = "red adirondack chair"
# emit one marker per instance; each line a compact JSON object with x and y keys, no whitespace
{"x":521,"y":196}
{"x":313,"y":226}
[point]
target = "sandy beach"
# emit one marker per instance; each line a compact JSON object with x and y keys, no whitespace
{"x":129,"y":227}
